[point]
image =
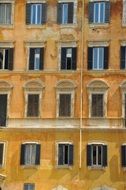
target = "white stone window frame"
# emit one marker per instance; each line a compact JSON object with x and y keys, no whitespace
{"x":123,"y":93}
{"x":71,"y":44}
{"x":12,"y":2}
{"x":124,"y":13}
{"x":4,"y":153}
{"x":74,"y":13}
{"x":29,"y":45}
{"x":56,"y":153}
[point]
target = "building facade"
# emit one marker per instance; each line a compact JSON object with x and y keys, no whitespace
{"x":63,"y":94}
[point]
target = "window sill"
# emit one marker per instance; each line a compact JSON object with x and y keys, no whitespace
{"x":96,"y":167}
{"x":97,"y":117}
{"x":35,"y":26}
{"x":98,"y":25}
{"x":64,"y":167}
{"x":30,"y":166}
{"x":8,"y":26}
{"x":32,"y":117}
{"x":72,"y":25}
{"x":63,"y":117}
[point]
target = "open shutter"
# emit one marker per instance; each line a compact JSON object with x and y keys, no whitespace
{"x":63,"y":58}
{"x":41,"y":58}
{"x":90,"y":57}
{"x":70,"y":12}
{"x":44,"y":13}
{"x":88,"y":155}
{"x":91,"y":11}
{"x":122,"y":57}
{"x":60,"y":154}
{"x":3,"y":109}
{"x":28,"y":13}
{"x":31,"y":58}
{"x":59,"y":13}
{"x":104,"y":155}
{"x":123,"y":156}
{"x":1,"y":153}
{"x":106,"y":55}
{"x":10,"y":58}
{"x":37,"y":160}
{"x":107,"y":12}
{"x":71,"y":155}
{"x":74,"y":58}
{"x":22,"y":156}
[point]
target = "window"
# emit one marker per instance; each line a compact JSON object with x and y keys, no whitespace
{"x":36,"y":58}
{"x":1,"y":153}
{"x":65,"y":154}
{"x":68,"y":58}
{"x":99,"y":12}
{"x":98,"y":58}
{"x":96,"y":155}
{"x":123,"y":57}
{"x":6,"y":58}
{"x":97,"y":105}
{"x":64,"y":105}
{"x":29,"y":186}
{"x":36,"y":13}
{"x":30,"y":154}
{"x":5,"y":13}
{"x":3,"y":109}
{"x":33,"y":105}
{"x":65,"y":13}
{"x":123,"y":155}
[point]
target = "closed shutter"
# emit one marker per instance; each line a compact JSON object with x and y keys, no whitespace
{"x":44,"y":13}
{"x":63,"y":58}
{"x":123,"y":155}
{"x":91,"y":12}
{"x":60,"y":154}
{"x":71,"y":154}
{"x":1,"y":153}
{"x":88,"y":155}
{"x":104,"y":155}
{"x":122,"y":57}
{"x":3,"y":109}
{"x":10,"y":58}
{"x":31,"y":58}
{"x":2,"y":13}
{"x":90,"y":57}
{"x":22,"y":155}
{"x":41,"y":58}
{"x":28,"y":13}
{"x":106,"y":56}
{"x":70,"y":12}
{"x":37,"y":160}
{"x":97,"y":105}
{"x":33,"y":105}
{"x":59,"y":13}
{"x":107,"y":12}
{"x":74,"y":58}
{"x":65,"y":105}
{"x":124,"y":13}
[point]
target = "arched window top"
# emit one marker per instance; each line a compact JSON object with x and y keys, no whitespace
{"x":5,"y":85}
{"x":68,"y":84}
{"x":97,"y":84}
{"x":59,"y":187}
{"x":34,"y":85}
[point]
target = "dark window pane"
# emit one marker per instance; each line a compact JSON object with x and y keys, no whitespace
{"x":1,"y":153}
{"x":97,"y":105}
{"x":65,"y":105}
{"x":3,"y":109}
{"x":33,"y":105}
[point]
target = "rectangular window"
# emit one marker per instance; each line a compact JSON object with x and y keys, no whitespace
{"x":65,"y":154}
{"x":1,"y":153}
{"x":99,"y":12}
{"x":68,"y":58}
{"x":29,"y":186}
{"x":6,"y":58}
{"x":64,"y":105}
{"x":123,"y":57}
{"x":65,"y":13}
{"x":33,"y":105}
{"x":30,"y":154}
{"x":36,"y":58}
{"x":97,"y":155}
{"x":97,"y":105}
{"x":5,"y":13}
{"x":97,"y":58}
{"x":3,"y":109}
{"x":36,"y":13}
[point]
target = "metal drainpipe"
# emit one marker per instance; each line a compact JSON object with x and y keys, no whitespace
{"x":81,"y":83}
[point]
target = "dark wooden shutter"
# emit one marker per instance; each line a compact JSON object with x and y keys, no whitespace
{"x":88,"y":155}
{"x":122,"y":57}
{"x":33,"y":105}
{"x":123,"y":155}
{"x":59,"y":13}
{"x":65,"y":105}
{"x":22,"y":155}
{"x":37,"y":160}
{"x":3,"y":109}
{"x":31,"y":58}
{"x":97,"y":105}
{"x":70,"y":12}
{"x":71,"y":154}
{"x":44,"y":13}
{"x":63,"y":58}
{"x":1,"y":153}
{"x":41,"y":58}
{"x":91,"y":11}
{"x":10,"y":58}
{"x":107,"y":12}
{"x":28,"y":13}
{"x":60,"y":154}
{"x":74,"y":58}
{"x":106,"y":56}
{"x":90,"y":57}
{"x":104,"y":155}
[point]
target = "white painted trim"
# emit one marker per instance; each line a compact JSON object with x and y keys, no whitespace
{"x":98,"y":44}
{"x":36,"y":1}
{"x":93,"y":142}
{"x":97,"y":0}
{"x":6,"y":44}
{"x":30,"y":142}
